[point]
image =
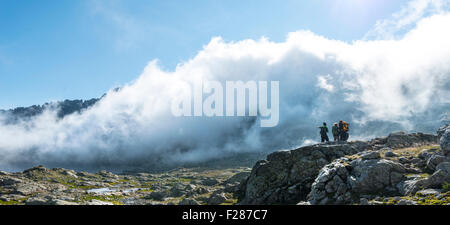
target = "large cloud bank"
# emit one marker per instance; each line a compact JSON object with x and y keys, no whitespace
{"x":378,"y":85}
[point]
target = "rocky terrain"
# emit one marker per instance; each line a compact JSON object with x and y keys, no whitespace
{"x":403,"y":169}
{"x":193,"y":186}
{"x":398,"y":169}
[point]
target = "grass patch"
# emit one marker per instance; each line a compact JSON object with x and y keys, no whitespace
{"x":104,"y":198}
{"x":12,"y":202}
{"x":446,"y":187}
{"x":146,"y":190}
{"x":184,"y":180}
{"x":232,"y":201}
{"x":414,"y":151}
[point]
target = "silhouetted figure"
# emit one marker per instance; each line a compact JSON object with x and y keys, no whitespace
{"x":335,"y":132}
{"x":323,"y":133}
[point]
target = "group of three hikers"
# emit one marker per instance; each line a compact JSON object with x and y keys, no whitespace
{"x":340,"y":131}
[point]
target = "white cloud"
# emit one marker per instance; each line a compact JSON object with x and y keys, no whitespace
{"x":323,"y":82}
{"x":405,"y":19}
{"x":376,"y":85}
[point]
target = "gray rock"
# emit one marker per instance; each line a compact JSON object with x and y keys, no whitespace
{"x":188,"y":201}
{"x":434,"y":160}
{"x":285,"y":177}
{"x":83,"y":174}
{"x":36,"y":201}
{"x":158,"y":195}
{"x":436,"y":180}
{"x":232,"y":188}
{"x":201,"y":190}
{"x":70,"y":173}
{"x":216,"y":199}
{"x":403,"y":160}
{"x":429,"y":191}
{"x":440,"y":132}
{"x":406,"y":202}
{"x":177,"y":190}
{"x":440,"y":176}
{"x":390,"y":154}
{"x":7,"y":181}
{"x":29,"y":188}
{"x":210,"y":181}
{"x":98,"y":202}
{"x":3,"y":173}
{"x":339,"y":183}
{"x":61,"y":202}
{"x":411,"y":186}
{"x":402,"y":139}
{"x":189,"y":187}
{"x":239,"y":177}
{"x":37,"y":169}
{"x":425,"y":154}
{"x":364,"y":201}
{"x":445,"y":139}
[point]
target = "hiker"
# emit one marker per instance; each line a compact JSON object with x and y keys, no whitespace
{"x":335,"y":131}
{"x":343,"y":131}
{"x":323,"y":132}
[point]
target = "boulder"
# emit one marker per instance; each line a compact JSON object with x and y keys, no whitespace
{"x":390,"y":154}
{"x":406,"y":202}
{"x":61,"y":202}
{"x":425,"y":154}
{"x":158,"y":195}
{"x":217,"y":199}
{"x":210,"y":181}
{"x":430,"y":191}
{"x":444,"y":139}
{"x":436,"y":180}
{"x":36,"y":201}
{"x":98,"y":202}
{"x":29,"y":188}
{"x":177,"y":190}
{"x":435,"y":160}
{"x":440,"y":176}
{"x":345,"y":182}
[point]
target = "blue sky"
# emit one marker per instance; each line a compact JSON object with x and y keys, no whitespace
{"x":79,"y":49}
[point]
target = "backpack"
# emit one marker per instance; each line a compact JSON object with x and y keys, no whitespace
{"x":345,"y":126}
{"x":323,"y":130}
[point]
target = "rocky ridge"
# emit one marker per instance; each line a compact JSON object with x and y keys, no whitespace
{"x":399,"y":169}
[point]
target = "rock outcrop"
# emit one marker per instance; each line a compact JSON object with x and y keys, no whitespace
{"x":286,"y":176}
{"x":341,"y":173}
{"x":345,"y":181}
{"x":401,"y":139}
{"x":444,"y":139}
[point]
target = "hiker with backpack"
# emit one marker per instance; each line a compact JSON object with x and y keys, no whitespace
{"x":323,"y":132}
{"x":343,"y":131}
